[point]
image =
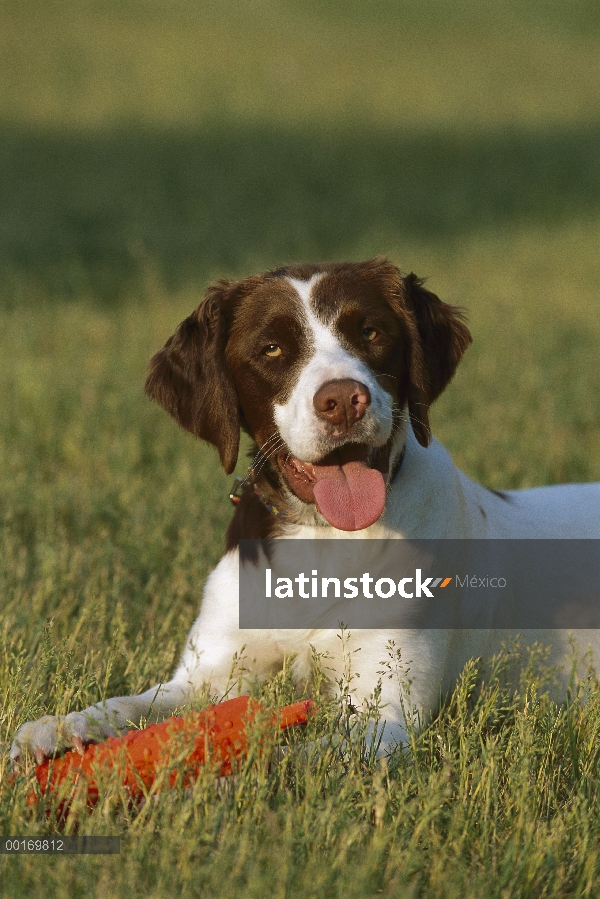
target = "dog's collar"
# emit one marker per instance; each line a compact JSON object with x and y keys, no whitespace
{"x":235,"y":495}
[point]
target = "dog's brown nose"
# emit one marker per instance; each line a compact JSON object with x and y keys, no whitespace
{"x":342,"y":403}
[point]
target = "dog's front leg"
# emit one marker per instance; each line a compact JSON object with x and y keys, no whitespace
{"x":55,"y":733}
{"x":214,"y":649}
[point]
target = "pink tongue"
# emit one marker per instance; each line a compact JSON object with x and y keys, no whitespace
{"x":349,"y":496}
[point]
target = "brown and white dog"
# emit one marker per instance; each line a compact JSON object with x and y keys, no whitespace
{"x":331,"y":369}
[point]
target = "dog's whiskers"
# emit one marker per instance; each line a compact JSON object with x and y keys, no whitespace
{"x":261,"y":456}
{"x":266,"y":456}
{"x":275,"y":436}
{"x":271,"y":451}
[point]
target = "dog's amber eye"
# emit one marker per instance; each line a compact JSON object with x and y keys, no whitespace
{"x":369,"y":333}
{"x":272,"y":350}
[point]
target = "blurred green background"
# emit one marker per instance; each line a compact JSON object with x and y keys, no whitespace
{"x":208,"y":138}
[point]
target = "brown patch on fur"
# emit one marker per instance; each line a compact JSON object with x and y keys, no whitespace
{"x":419,"y":344}
{"x":443,"y":340}
{"x":352,"y":297}
{"x":251,"y":521}
{"x":270,"y":315}
{"x":189,"y":378}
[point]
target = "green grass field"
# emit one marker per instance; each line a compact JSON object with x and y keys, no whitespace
{"x":148,"y":147}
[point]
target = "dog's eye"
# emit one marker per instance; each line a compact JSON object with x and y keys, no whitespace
{"x":272,"y":350}
{"x":369,"y":333}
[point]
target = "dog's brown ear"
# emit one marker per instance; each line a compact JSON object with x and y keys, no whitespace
{"x":443,"y":338}
{"x":190,"y":378}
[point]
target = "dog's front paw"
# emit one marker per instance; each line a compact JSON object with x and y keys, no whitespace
{"x":53,"y":734}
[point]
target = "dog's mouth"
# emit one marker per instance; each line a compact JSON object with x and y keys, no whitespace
{"x":346,"y":488}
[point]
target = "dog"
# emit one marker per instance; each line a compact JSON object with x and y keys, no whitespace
{"x":331,"y":369}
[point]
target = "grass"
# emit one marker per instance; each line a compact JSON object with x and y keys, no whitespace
{"x":146,"y":148}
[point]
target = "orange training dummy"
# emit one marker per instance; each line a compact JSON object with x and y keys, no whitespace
{"x":218,"y":733}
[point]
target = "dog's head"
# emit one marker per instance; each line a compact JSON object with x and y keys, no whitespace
{"x":318,"y":363}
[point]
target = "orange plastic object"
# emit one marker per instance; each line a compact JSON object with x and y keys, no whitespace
{"x":218,"y":733}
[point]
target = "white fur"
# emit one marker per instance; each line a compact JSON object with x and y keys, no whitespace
{"x":430,"y":498}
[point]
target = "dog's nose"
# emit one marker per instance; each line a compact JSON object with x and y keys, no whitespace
{"x":342,"y":403}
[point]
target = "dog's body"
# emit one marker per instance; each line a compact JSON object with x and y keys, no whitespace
{"x":332,"y":370}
